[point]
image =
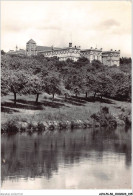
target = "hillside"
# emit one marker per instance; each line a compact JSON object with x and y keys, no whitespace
{"x":41,"y":89}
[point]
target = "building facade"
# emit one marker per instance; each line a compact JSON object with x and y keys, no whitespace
{"x":108,"y":58}
{"x":20,"y":52}
{"x":31,"y":48}
{"x":92,"y":54}
{"x":63,"y":54}
{"x":111,"y":57}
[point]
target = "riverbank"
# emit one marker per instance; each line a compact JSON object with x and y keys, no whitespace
{"x":62,"y":114}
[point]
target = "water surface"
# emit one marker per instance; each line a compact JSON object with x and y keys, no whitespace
{"x":78,"y":159}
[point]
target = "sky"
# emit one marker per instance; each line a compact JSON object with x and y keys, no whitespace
{"x":101,"y":24}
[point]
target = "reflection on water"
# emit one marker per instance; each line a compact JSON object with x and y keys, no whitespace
{"x":78,"y":159}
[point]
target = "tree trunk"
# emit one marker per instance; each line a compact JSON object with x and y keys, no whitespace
{"x":37,"y":97}
{"x":53,"y":96}
{"x":76,"y":95}
{"x":14,"y":98}
{"x":86,"y":94}
{"x":65,"y":96}
{"x":94,"y":95}
{"x":101,"y":96}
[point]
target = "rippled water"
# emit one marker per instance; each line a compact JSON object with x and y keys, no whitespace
{"x":78,"y":159}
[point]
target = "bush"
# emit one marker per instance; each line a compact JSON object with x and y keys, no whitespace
{"x":104,"y":118}
{"x":126,"y":116}
{"x":10,"y":126}
{"x":105,"y":110}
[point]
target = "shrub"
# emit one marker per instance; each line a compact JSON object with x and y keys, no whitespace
{"x":126,"y":116}
{"x":104,"y":118}
{"x":41,"y":127}
{"x":10,"y":126}
{"x":105,"y":110}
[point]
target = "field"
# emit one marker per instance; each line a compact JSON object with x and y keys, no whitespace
{"x":72,"y":108}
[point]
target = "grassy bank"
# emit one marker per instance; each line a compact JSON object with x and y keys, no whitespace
{"x":72,"y":109}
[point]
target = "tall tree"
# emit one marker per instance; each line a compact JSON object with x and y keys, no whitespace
{"x":2,"y":52}
{"x":105,"y":84}
{"x":35,"y":86}
{"x":14,"y":81}
{"x":52,"y":83}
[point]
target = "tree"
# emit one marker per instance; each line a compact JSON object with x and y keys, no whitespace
{"x":97,"y":65}
{"x":2,"y":52}
{"x":125,"y":60}
{"x":91,"y":83}
{"x":105,"y":84}
{"x":35,"y":85}
{"x":52,"y":83}
{"x":98,"y":83}
{"x":73,"y":81}
{"x":122,"y":87}
{"x":4,"y":83}
{"x":14,"y":81}
{"x":83,"y":60}
{"x":125,"y":67}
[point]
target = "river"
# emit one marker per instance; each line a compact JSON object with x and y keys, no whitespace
{"x":71,"y":159}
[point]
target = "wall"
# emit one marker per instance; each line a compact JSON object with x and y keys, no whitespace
{"x":111,"y":58}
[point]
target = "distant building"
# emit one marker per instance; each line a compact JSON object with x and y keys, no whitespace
{"x":63,"y":54}
{"x":92,"y":54}
{"x":71,"y":52}
{"x":20,"y":52}
{"x":111,"y":57}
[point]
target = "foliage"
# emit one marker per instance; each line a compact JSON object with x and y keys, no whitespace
{"x":14,"y":81}
{"x":125,"y":60}
{"x":122,"y":87}
{"x":126,"y":67}
{"x":2,"y":52}
{"x":35,"y":85}
{"x":104,"y":118}
{"x":52,"y":83}
{"x":126,"y":116}
{"x":37,"y":74}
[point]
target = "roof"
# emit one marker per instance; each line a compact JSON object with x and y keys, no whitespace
{"x":31,"y":41}
{"x":46,"y":48}
{"x":20,"y":51}
{"x":49,"y":49}
{"x":110,"y":51}
{"x":91,"y":49}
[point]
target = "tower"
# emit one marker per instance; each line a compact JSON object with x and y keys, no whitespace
{"x":31,"y":47}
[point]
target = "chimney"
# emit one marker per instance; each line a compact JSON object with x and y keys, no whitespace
{"x":75,"y":46}
{"x":70,"y":45}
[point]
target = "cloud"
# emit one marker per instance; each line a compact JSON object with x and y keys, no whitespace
{"x":107,"y":25}
{"x":110,"y":23}
{"x":48,"y":27}
{"x":15,"y":27}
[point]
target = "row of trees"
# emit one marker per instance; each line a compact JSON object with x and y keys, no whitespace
{"x":36,"y":75}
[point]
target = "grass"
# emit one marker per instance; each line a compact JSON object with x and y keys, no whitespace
{"x":59,"y":109}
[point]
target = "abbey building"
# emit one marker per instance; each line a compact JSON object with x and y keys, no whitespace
{"x":109,"y":58}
